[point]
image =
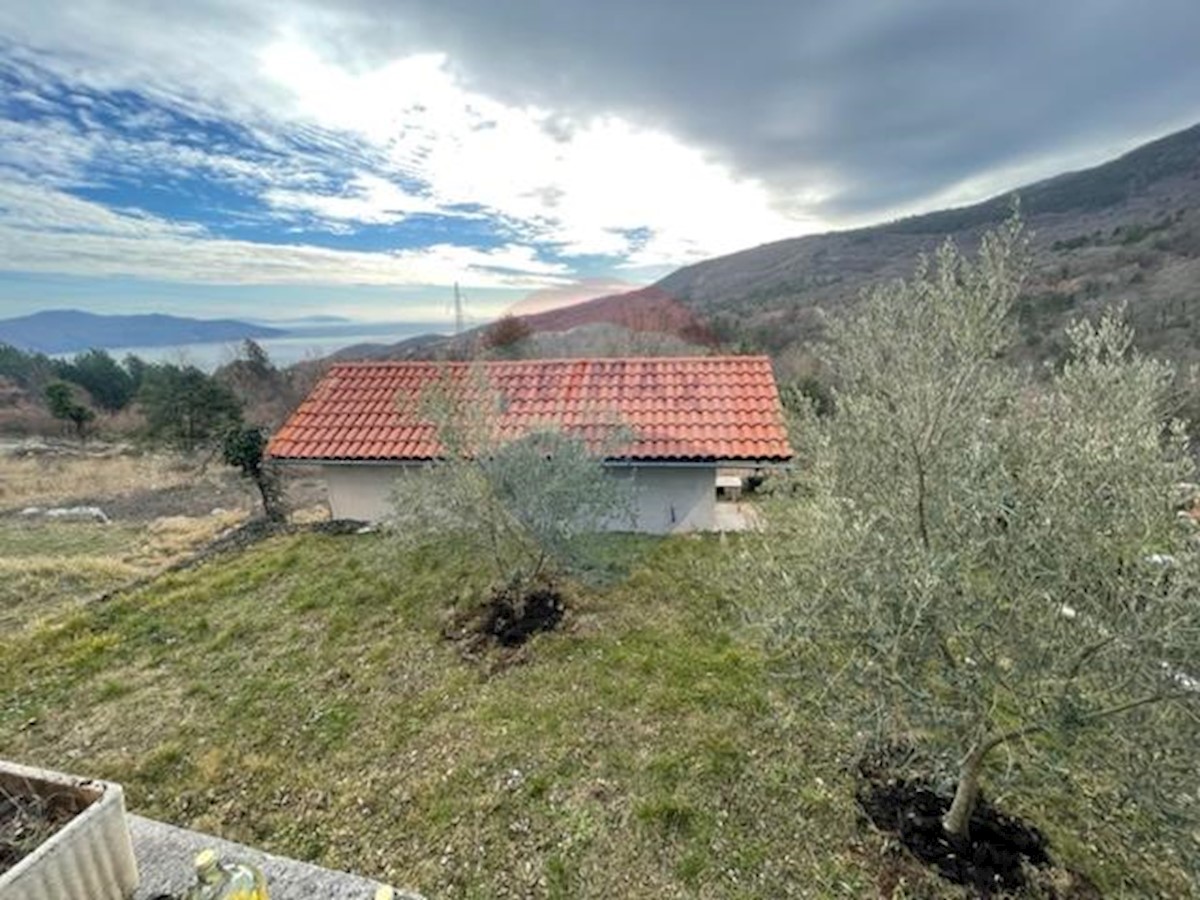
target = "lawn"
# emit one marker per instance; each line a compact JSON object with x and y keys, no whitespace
{"x":299,"y":696}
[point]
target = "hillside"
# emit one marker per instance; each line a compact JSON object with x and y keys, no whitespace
{"x":1125,"y":230}
{"x":644,"y":750}
{"x":644,"y":321}
{"x":70,"y":330}
{"x":649,"y":309}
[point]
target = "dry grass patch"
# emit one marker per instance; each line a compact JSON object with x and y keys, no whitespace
{"x":173,"y":538}
{"x":33,"y":587}
{"x":307,"y":515}
{"x":138,"y":487}
{"x":48,"y":567}
{"x":45,"y":481}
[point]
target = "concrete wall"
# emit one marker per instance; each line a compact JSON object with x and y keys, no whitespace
{"x":667,"y":498}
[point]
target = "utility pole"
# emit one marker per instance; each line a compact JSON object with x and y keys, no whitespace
{"x":458,"y":310}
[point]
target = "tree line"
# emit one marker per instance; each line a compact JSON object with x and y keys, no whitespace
{"x":183,"y":407}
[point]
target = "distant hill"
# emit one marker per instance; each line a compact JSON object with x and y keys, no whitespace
{"x":645,"y":310}
{"x":421,"y":346}
{"x":69,"y":330}
{"x":642,"y":321}
{"x":1127,"y":230}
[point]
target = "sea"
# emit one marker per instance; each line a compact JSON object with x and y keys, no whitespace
{"x":296,"y":346}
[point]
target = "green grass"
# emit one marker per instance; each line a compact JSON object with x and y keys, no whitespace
{"x":47,"y":566}
{"x":299,"y":697}
{"x":21,"y":538}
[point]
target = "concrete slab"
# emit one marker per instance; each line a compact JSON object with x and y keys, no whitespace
{"x":729,"y":516}
{"x":164,"y":856}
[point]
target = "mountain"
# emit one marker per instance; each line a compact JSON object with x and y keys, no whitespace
{"x":1127,"y":230}
{"x":70,"y":330}
{"x":640,"y":322}
{"x":646,"y":309}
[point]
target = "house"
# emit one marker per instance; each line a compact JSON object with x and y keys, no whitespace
{"x":666,"y":423}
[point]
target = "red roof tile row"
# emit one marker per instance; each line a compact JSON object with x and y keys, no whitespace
{"x":713,"y":408}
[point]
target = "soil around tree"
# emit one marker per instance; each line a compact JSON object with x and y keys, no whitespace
{"x":993,"y":857}
{"x":1001,"y":854}
{"x":26,"y":824}
{"x":511,"y":618}
{"x":507,"y":619}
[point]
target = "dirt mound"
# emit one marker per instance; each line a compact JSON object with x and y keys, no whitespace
{"x":504,"y":623}
{"x":1002,"y":855}
{"x":995,"y":856}
{"x":511,"y":620}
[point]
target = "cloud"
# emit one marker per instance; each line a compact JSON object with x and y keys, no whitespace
{"x":366,"y":199}
{"x":395,"y":135}
{"x":43,"y":230}
{"x":637,"y":134}
{"x":845,"y":111}
{"x":581,"y":191}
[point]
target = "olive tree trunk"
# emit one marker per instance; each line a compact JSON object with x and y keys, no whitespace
{"x":957,"y":820}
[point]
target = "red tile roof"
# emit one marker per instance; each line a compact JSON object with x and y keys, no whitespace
{"x":712,"y":408}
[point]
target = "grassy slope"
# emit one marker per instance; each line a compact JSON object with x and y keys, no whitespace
{"x":84,"y":559}
{"x":298,"y":697}
{"x":47,"y":567}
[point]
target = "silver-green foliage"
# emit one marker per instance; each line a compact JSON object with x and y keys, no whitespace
{"x":530,"y":505}
{"x":998,"y":557}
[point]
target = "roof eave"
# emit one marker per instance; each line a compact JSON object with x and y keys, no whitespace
{"x":614,"y":463}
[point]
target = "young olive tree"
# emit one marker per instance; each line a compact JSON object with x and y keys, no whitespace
{"x":531,"y":503}
{"x":997,"y":559}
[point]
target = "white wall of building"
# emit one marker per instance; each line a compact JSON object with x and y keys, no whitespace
{"x":670,"y":499}
{"x":361,"y":491}
{"x":667,"y":499}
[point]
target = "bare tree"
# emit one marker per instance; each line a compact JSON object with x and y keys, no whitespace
{"x":997,"y":558}
{"x":508,"y":336}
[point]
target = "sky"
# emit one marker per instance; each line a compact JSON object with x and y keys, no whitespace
{"x":274,"y":159}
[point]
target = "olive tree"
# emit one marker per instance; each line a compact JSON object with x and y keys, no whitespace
{"x":529,"y":502}
{"x":996,"y":557}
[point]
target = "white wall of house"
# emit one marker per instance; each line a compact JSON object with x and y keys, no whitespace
{"x":667,"y":499}
{"x":361,"y":491}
